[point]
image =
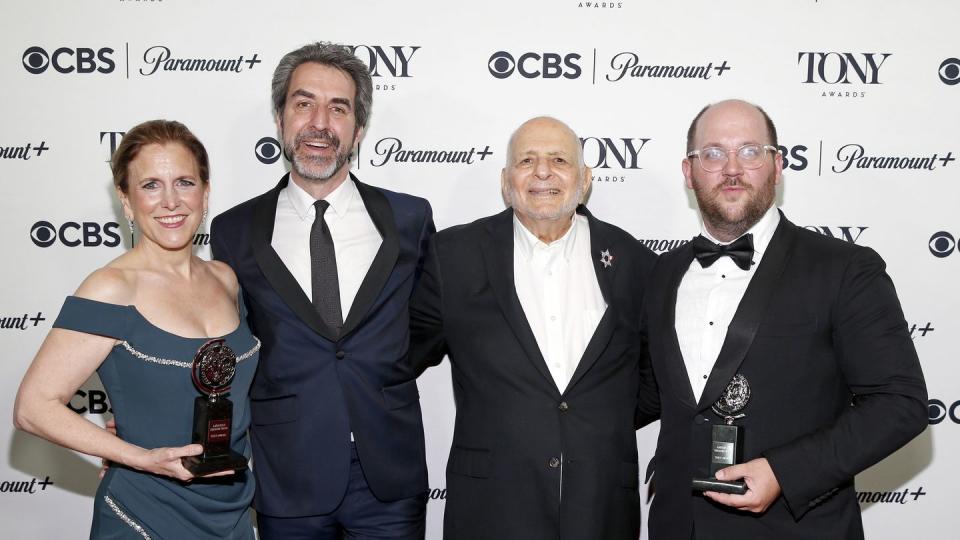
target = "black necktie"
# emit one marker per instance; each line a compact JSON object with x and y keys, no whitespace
{"x":740,"y":250}
{"x":323,"y":270}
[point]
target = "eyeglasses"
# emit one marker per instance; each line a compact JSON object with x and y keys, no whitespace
{"x":714,"y":158}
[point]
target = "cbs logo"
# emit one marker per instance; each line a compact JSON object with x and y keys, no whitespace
{"x":91,"y":401}
{"x":72,"y":234}
{"x":267,"y":150}
{"x":794,"y":157}
{"x":67,"y":60}
{"x":942,"y":244}
{"x":938,"y":411}
{"x":950,"y":71}
{"x":532,"y":65}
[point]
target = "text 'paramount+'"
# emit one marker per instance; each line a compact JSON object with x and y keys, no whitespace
{"x":631,"y":65}
{"x":390,"y":149}
{"x":855,"y":156}
{"x":23,"y":152}
{"x":161,"y":58}
{"x":21,"y":322}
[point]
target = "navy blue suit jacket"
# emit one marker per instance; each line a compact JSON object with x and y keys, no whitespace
{"x":314,"y":387}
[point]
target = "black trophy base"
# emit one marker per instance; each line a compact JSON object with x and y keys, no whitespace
{"x":200,"y":466}
{"x":720,"y":486}
{"x":726,"y":450}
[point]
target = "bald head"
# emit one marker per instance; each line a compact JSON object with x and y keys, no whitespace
{"x":545,"y":127}
{"x":730,"y":108}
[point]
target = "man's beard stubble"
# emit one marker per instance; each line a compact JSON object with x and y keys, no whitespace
{"x":734,"y":224}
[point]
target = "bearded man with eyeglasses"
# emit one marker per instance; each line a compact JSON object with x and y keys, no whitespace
{"x":806,"y":331}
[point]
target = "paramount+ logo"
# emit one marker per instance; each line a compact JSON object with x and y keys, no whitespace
{"x":83,"y":60}
{"x":535,"y":65}
{"x":76,"y":234}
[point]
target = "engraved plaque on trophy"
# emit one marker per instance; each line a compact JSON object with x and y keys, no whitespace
{"x":213,"y":369}
{"x":726,"y":447}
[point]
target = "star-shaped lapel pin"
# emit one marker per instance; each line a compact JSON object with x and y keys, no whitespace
{"x":606,"y":258}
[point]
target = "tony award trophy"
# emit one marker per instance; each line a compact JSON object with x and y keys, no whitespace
{"x":727,"y":445}
{"x":213,"y":369}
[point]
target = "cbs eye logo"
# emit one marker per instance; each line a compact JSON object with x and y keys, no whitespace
{"x":72,"y":234}
{"x":532,"y":65}
{"x":36,"y":60}
{"x":267,"y":150}
{"x":942,"y":244}
{"x":950,"y":71}
{"x":938,"y":411}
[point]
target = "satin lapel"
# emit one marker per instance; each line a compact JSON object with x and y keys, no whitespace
{"x":599,"y":242}
{"x":280,"y":278}
{"x":497,"y":248}
{"x":383,"y":263}
{"x":676,"y":367}
{"x":743,"y":327}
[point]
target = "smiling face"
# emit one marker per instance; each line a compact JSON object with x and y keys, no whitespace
{"x":165,"y":196}
{"x":544,"y":179}
{"x":732,"y":199}
{"x":317,"y":124}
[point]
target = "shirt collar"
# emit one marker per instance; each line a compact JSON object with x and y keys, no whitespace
{"x":762,"y":231}
{"x":528,"y":243}
{"x":339,"y":199}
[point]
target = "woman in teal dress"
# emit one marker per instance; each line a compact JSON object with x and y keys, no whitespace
{"x":139,"y":322}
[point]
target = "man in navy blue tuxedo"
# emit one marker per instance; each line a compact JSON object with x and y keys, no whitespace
{"x":327,"y":265}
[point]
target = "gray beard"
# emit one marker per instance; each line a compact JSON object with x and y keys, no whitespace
{"x":323,"y":174}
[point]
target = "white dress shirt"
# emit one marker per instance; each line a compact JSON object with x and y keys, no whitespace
{"x":559,"y":293}
{"x":355,"y":237}
{"x":708,"y":298}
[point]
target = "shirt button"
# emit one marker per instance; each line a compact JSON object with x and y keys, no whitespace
{"x":711,"y":323}
{"x":704,"y":376}
{"x":553,"y":317}
{"x":554,"y":463}
{"x":563,"y":406}
{"x":340,"y":355}
{"x":724,"y":276}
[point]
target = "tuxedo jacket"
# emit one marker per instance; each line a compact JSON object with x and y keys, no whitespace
{"x":835,"y":386}
{"x":528,"y":461}
{"x":314,"y":386}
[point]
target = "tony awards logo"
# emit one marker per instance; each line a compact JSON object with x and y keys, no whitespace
{"x":213,"y":369}
{"x":726,"y":448}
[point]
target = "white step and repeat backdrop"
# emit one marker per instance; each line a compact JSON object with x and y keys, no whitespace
{"x":865,"y":95}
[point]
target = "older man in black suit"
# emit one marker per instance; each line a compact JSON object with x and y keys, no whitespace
{"x":538,"y":309}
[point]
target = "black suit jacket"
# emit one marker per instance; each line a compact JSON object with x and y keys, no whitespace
{"x":529,"y":462}
{"x":836,"y":387}
{"x":313,"y":386}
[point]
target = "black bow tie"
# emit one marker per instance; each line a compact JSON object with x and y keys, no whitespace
{"x":740,"y":250}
